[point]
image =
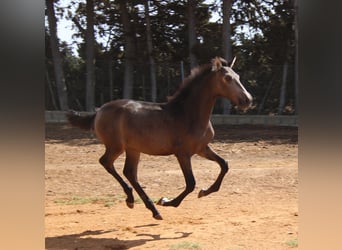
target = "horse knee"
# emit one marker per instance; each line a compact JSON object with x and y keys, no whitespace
{"x":108,"y":158}
{"x":104,"y":161}
{"x":226,"y":167}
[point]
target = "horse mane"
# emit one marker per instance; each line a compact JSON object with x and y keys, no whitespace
{"x":197,"y":74}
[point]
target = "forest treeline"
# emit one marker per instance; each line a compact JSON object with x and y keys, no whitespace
{"x":143,"y":49}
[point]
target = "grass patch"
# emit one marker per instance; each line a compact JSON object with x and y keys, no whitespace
{"x":185,"y":245}
{"x":107,"y":201}
{"x":81,"y":200}
{"x":139,"y":200}
{"x":292,"y":243}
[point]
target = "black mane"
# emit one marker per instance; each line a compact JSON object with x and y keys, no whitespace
{"x":197,"y":74}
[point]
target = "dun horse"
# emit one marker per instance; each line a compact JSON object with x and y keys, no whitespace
{"x":180,"y":126}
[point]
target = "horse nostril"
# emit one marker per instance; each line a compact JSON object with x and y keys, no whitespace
{"x":245,"y":101}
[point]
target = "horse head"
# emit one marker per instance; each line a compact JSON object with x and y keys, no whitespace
{"x":228,"y":84}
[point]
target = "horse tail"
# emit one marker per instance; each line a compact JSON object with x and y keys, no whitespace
{"x":85,"y":122}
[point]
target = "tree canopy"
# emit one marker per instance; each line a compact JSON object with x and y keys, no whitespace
{"x":130,"y":36}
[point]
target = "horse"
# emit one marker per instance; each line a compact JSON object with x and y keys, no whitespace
{"x":180,"y":126}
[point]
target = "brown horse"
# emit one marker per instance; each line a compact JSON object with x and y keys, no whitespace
{"x":180,"y":126}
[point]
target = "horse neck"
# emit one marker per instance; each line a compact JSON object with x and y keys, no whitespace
{"x":198,"y":104}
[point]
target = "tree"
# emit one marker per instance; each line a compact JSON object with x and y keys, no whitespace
{"x":264,"y":46}
{"x":226,"y":43}
{"x":296,"y":54}
{"x":261,"y":35}
{"x":282,"y":96}
{"x":149,"y":52}
{"x":56,"y":56}
{"x":279,"y":36}
{"x":192,"y":32}
{"x":129,"y":50}
{"x":90,"y":69}
{"x":226,"y":30}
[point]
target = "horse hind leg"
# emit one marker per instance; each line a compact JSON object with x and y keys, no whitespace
{"x":209,"y":154}
{"x":107,"y":161}
{"x":130,"y":171}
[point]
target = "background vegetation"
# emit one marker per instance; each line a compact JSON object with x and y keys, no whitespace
{"x":143,"y":49}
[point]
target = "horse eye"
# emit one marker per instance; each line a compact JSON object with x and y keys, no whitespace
{"x":228,"y":77}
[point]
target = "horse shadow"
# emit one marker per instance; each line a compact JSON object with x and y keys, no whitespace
{"x":85,"y":240}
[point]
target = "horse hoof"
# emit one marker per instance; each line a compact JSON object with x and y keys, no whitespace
{"x":201,"y":193}
{"x":162,"y":201}
{"x":130,"y":204}
{"x":158,"y":217}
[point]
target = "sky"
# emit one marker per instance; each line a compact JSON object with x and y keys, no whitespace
{"x":65,"y":31}
{"x":64,"y":28}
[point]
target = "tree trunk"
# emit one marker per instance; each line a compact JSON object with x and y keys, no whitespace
{"x":90,"y":68}
{"x":226,"y":30}
{"x":192,"y":32}
{"x":261,"y":106}
{"x":56,"y":57}
{"x":226,"y":44}
{"x":149,"y":51}
{"x":110,"y":76}
{"x":50,"y":90}
{"x":283,"y":89}
{"x":129,"y":51}
{"x":296,"y":56}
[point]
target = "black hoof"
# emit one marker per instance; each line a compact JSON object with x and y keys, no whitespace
{"x":202,"y":193}
{"x":158,"y":217}
{"x":130,"y":204}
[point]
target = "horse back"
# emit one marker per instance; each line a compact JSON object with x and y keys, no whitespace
{"x":147,"y":127}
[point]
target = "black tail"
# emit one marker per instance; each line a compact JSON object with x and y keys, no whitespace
{"x":85,"y":122}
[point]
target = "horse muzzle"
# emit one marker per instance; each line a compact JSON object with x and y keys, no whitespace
{"x":245,"y":101}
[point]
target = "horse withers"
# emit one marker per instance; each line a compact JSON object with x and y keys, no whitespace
{"x":181,"y":126}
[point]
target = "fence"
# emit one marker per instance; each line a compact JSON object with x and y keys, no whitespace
{"x":283,"y":120}
{"x":264,"y":82}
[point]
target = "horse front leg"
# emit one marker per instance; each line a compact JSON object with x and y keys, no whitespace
{"x":209,"y":154}
{"x":185,"y":164}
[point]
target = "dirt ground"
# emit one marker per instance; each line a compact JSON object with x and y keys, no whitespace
{"x":256,"y":207}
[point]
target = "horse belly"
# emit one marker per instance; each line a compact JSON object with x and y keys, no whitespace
{"x":149,"y":136}
{"x":150,"y":143}
{"x":167,"y":143}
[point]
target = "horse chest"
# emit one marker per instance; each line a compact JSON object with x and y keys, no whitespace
{"x":193,"y":141}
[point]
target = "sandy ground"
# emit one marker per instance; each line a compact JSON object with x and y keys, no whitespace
{"x":256,"y":207}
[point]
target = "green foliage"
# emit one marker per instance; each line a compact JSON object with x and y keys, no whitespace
{"x":262,"y":36}
{"x":107,"y":201}
{"x":185,"y":245}
{"x":292,"y":243}
{"x":76,"y":200}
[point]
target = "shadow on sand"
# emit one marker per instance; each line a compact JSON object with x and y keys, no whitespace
{"x":85,"y":240}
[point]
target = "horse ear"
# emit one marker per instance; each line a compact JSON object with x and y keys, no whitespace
{"x":216,"y":64}
{"x":232,"y":64}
